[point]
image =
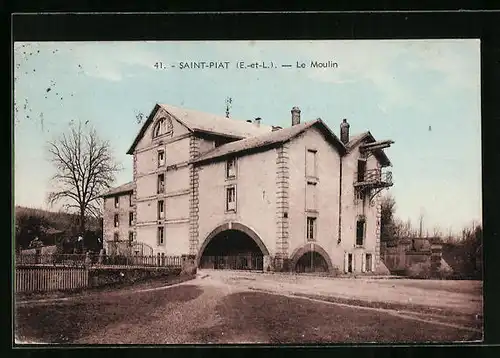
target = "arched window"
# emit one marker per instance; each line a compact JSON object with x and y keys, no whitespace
{"x":162,"y":126}
{"x":159,"y":128}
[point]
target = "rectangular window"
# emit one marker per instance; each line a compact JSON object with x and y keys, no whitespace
{"x":360,"y":232}
{"x":231,"y":168}
{"x":311,"y":228}
{"x":115,"y":236}
{"x":231,"y":198}
{"x":311,"y":170}
{"x":117,"y":201}
{"x":368,"y":263}
{"x":161,"y":235}
{"x":161,"y":183}
{"x":161,"y":210}
{"x":130,"y":218}
{"x":361,"y":170}
{"x":161,"y":158}
{"x":311,"y":197}
{"x":131,"y":236}
{"x":349,"y":262}
{"x":117,"y":220}
{"x":130,"y":200}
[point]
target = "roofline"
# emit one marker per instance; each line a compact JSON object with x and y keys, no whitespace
{"x":203,"y":131}
{"x":150,"y":119}
{"x":116,"y":193}
{"x":336,"y":141}
{"x":318,"y":121}
{"x":382,"y":156}
{"x":139,"y":135}
{"x":238,"y":152}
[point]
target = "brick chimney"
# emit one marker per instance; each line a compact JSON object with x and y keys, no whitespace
{"x":257,"y":121}
{"x":344,"y":131}
{"x":295,"y":116}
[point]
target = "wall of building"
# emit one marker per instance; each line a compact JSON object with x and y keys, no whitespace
{"x":205,"y":144}
{"x":255,"y":196}
{"x":327,"y":188}
{"x":352,"y":208}
{"x":123,"y":214}
{"x":176,"y":146}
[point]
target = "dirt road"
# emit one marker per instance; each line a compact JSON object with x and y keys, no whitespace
{"x":223,"y":307}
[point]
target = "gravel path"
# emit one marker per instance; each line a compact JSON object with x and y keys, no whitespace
{"x":224,"y":307}
{"x":464,"y":297}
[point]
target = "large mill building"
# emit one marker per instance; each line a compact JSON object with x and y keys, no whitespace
{"x":246,"y":195}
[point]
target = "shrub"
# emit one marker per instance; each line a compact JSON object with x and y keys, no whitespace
{"x":336,"y":271}
{"x":189,"y":268}
{"x":418,"y":270}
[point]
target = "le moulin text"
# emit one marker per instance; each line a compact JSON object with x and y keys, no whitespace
{"x":224,"y":65}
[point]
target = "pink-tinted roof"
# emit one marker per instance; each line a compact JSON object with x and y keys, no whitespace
{"x":268,"y":139}
{"x":122,"y":189}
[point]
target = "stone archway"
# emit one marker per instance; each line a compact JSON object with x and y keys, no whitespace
{"x":244,"y":245}
{"x":310,"y":249}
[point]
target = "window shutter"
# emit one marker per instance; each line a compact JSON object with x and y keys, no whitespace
{"x":346,"y":262}
{"x":363,"y":262}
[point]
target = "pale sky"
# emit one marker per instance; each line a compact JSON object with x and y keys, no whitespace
{"x":396,"y":89}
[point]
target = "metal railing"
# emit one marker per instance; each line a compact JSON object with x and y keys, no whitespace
{"x":98,"y":260}
{"x":238,"y":262}
{"x":375,"y":176}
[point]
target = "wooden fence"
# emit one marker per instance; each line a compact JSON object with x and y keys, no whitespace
{"x":41,"y":273}
{"x":50,"y":278}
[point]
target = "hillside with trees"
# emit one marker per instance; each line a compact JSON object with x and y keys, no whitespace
{"x":54,"y":228}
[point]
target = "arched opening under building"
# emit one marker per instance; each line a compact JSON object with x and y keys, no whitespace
{"x":232,"y":249}
{"x":311,"y":258}
{"x":311,"y":261}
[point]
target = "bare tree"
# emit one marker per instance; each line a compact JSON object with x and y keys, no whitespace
{"x":437,"y":233}
{"x":420,"y":224}
{"x":85,"y":168}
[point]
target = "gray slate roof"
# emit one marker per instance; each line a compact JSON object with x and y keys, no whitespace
{"x":268,"y":139}
{"x":122,"y":189}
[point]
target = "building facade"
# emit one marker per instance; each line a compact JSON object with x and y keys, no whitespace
{"x":242,"y":194}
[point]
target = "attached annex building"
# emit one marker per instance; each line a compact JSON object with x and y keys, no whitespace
{"x":245,"y":195}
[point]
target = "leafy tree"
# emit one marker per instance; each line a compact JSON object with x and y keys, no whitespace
{"x":85,"y":168}
{"x":388,"y":208}
{"x":29,"y":226}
